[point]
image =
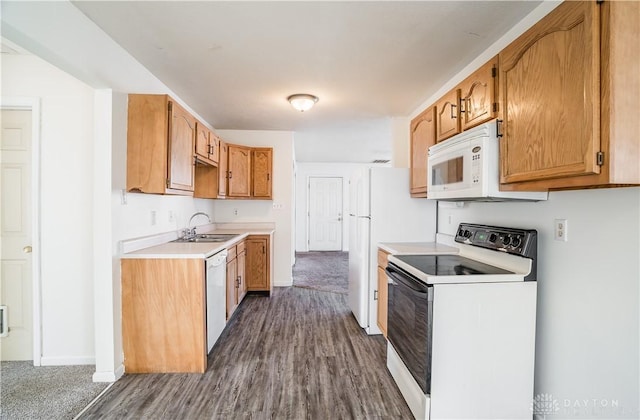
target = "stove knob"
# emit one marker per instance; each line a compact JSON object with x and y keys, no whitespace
{"x":493,"y":237}
{"x":461,"y":232}
{"x":516,"y":242}
{"x":467,"y":234}
{"x":506,"y":240}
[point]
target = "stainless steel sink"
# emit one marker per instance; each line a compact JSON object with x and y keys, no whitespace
{"x":208,"y":237}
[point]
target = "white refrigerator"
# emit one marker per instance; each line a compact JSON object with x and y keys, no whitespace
{"x":381,"y":210}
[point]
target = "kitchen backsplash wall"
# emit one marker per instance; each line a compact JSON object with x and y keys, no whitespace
{"x":588,"y":295}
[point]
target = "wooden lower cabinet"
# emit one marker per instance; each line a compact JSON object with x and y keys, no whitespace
{"x":383,"y":291}
{"x":164,"y":315}
{"x":258,"y":263}
{"x":242,"y":281}
{"x":236,"y":284}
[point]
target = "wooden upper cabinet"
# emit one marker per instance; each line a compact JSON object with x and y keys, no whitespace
{"x":207,"y":144}
{"x":160,"y":146}
{"x":448,"y":115}
{"x":569,"y":88}
{"x":423,"y":136}
{"x":223,"y":169}
{"x":262,"y":163}
{"x":239,"y":179}
{"x":549,"y":85}
{"x":214,"y":148}
{"x":478,"y":101}
{"x":202,"y":142}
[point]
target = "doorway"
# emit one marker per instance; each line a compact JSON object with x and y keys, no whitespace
{"x":325,"y":214}
{"x":19,"y":257}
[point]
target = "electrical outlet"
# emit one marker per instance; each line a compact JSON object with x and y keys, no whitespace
{"x":123,"y":197}
{"x":278,"y":206}
{"x":560,"y":229}
{"x":153,"y":217}
{"x":235,"y":212}
{"x":172,"y":216}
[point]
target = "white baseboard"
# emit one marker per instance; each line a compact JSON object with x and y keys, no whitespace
{"x":65,"y":361}
{"x":108,"y":376}
{"x":283,"y":284}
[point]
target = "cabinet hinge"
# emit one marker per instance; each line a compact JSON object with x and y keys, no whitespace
{"x":495,"y":107}
{"x":375,"y":295}
{"x":170,"y":106}
{"x":600,"y":158}
{"x":168,"y":182}
{"x":494,"y":72}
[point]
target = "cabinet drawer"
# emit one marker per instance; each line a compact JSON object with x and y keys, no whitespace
{"x":231,"y":253}
{"x":240,"y":248}
{"x":382,"y":258}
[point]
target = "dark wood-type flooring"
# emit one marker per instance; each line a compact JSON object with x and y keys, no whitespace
{"x":297,"y":355}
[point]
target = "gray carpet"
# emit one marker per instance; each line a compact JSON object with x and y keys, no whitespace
{"x":45,"y":392}
{"x":327,"y":271}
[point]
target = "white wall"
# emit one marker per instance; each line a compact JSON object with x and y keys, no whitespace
{"x":66,"y":205}
{"x":304,"y":170}
{"x":262,"y":210}
{"x":587,"y":339}
{"x":368,"y":139}
{"x":400,"y":137}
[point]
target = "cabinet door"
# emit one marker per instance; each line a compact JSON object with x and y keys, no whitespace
{"x":223,"y":172}
{"x":202,"y":141}
{"x":214,"y":148}
{"x":423,"y":136}
{"x":232,"y":287}
{"x":242,"y":280}
{"x":382,"y":300}
{"x":257,"y":264}
{"x":262,"y":166}
{"x":239,"y":171}
{"x":159,"y":335}
{"x":181,"y":145}
{"x":549,"y":85}
{"x":448,"y":115}
{"x":478,"y":99}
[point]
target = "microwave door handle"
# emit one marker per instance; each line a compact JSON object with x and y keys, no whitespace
{"x":418,"y":289}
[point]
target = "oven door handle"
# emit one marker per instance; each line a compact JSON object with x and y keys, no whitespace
{"x":415,"y":286}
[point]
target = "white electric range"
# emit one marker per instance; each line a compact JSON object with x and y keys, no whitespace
{"x":461,"y":326}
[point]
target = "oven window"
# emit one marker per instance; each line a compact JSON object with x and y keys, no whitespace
{"x":409,"y":328}
{"x":449,"y":172}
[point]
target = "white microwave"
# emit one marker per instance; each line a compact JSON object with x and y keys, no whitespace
{"x":466,"y":168}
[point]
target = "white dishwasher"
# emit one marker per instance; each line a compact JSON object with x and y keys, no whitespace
{"x":216,"y":296}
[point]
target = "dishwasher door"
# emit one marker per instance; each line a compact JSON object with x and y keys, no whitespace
{"x":216,"y":296}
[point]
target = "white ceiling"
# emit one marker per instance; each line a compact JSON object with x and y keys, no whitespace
{"x":236,"y":62}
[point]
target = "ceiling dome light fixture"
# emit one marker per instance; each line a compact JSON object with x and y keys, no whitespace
{"x":302,"y":101}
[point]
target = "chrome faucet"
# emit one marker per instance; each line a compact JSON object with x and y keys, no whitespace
{"x":190,"y":232}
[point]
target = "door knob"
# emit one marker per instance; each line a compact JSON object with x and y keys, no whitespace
{"x":27,"y":249}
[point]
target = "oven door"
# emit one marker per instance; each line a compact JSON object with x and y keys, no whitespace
{"x":410,"y":323}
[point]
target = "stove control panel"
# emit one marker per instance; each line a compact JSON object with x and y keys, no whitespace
{"x":522,"y":242}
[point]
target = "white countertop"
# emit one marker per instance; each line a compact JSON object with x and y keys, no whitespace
{"x":417,"y":248}
{"x":161,"y":247}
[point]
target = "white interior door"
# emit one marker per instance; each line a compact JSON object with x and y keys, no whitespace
{"x":325,"y":214}
{"x":16,"y":294}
